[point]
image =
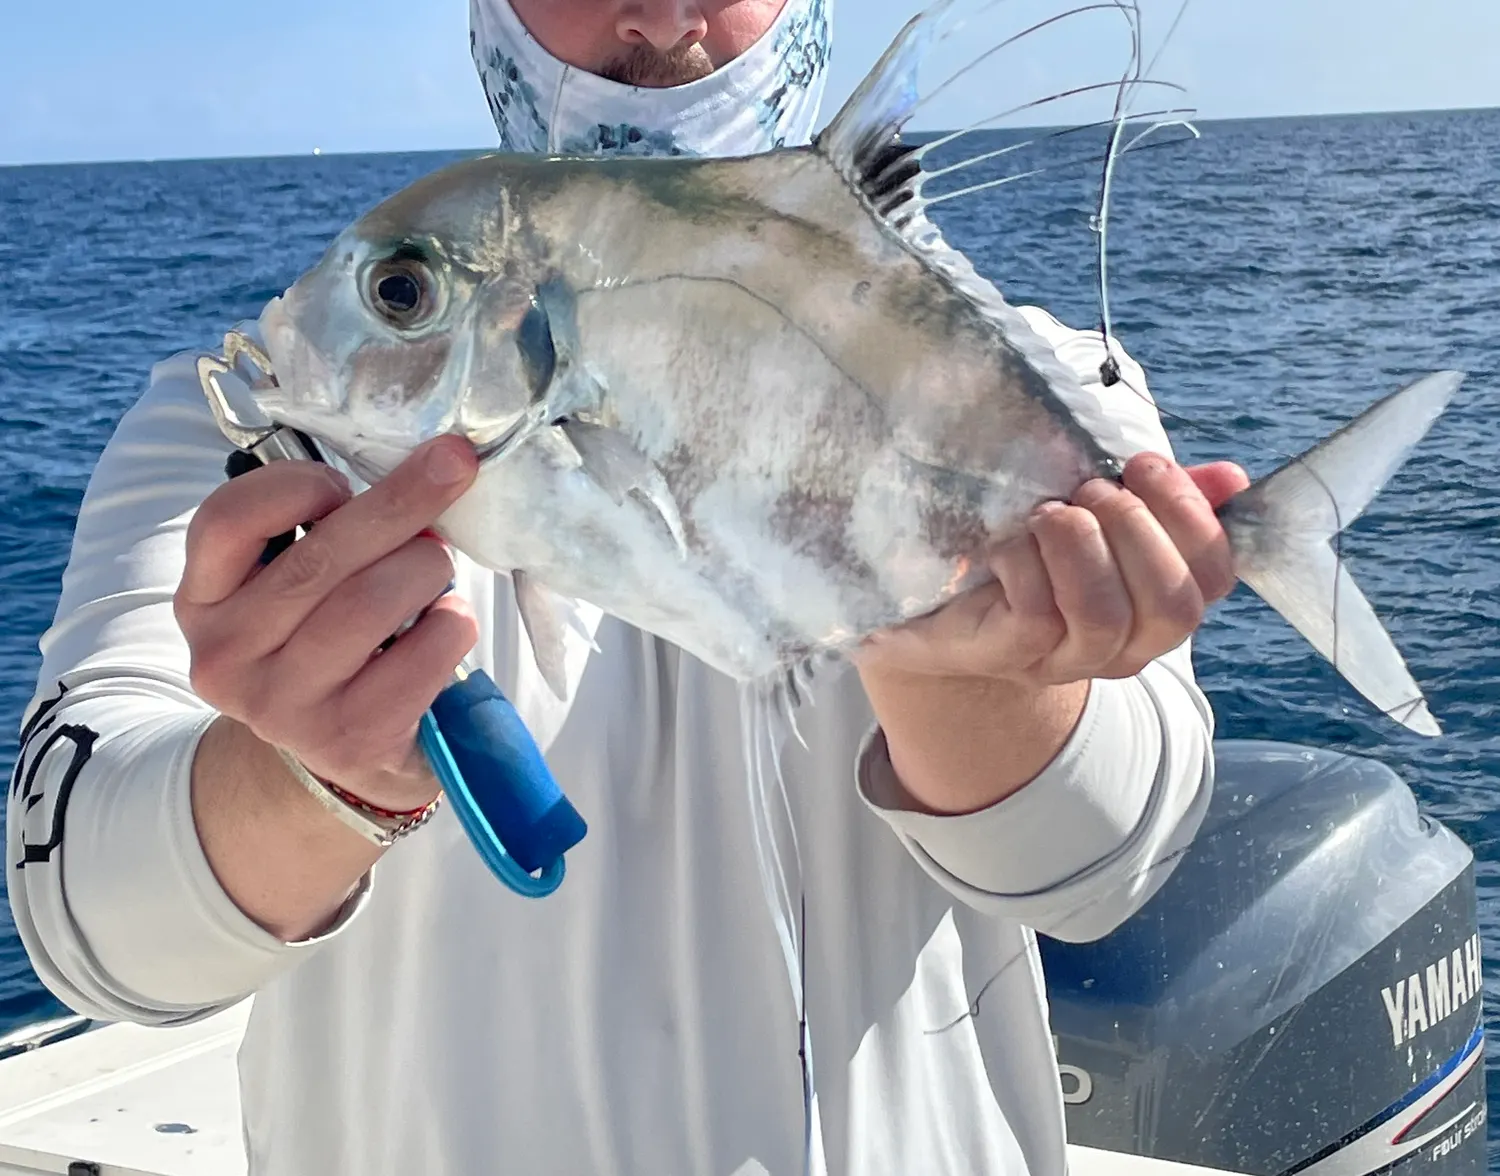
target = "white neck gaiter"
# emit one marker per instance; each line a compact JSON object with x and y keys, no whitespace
{"x":767,"y":97}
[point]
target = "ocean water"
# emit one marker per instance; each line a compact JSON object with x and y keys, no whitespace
{"x":1274,"y":278}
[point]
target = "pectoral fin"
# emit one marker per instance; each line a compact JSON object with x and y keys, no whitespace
{"x":612,"y":460}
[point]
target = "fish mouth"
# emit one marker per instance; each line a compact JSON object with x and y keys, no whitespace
{"x":295,"y":364}
{"x":276,"y":329}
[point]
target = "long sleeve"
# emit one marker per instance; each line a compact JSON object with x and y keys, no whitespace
{"x":1084,"y":845}
{"x":115,"y":902}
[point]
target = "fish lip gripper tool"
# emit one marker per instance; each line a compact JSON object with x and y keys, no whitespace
{"x":492,"y":772}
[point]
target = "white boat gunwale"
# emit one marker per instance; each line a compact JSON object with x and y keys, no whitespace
{"x":175,"y":1094}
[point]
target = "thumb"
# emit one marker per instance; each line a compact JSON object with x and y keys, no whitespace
{"x":1218,"y":480}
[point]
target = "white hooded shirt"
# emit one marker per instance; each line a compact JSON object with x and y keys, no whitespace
{"x":639,"y":1020}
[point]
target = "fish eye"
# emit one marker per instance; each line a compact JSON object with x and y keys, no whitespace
{"x":402,"y":290}
{"x":399,"y":293}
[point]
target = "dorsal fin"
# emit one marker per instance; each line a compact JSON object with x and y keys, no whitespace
{"x":868,"y":127}
{"x":864,"y":144}
{"x":929,"y":59}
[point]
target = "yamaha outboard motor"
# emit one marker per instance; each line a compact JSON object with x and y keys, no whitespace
{"x":1302,"y":996}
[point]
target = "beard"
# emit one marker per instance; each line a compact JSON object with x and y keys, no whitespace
{"x":646,"y":66}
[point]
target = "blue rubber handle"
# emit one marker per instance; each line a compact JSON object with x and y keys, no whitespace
{"x":500,"y":786}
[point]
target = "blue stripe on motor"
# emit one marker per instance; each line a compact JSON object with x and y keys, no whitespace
{"x":1465,"y":1051}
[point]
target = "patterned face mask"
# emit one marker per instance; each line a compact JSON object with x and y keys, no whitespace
{"x":767,"y":97}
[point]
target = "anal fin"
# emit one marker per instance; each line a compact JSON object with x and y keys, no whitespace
{"x":547,"y":617}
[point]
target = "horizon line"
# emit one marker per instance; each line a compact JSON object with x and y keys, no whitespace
{"x":317,"y":153}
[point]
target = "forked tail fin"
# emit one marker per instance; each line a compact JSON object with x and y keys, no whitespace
{"x":1281,"y":530}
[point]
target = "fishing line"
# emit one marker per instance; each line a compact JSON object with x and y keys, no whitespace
{"x":1135,"y":77}
{"x":972,"y":1012}
{"x":1110,"y":371}
{"x":768,"y":850}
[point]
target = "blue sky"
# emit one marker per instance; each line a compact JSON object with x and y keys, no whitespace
{"x":97,"y":79}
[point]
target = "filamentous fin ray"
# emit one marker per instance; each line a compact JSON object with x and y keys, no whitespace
{"x":890,"y":93}
{"x":922,"y":150}
{"x":895,"y":90}
{"x":788,"y":692}
{"x":864,"y":141}
{"x":1281,"y":530}
{"x":1003,"y":181}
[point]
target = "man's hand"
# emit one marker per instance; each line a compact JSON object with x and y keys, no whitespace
{"x":977,"y":698}
{"x":289,"y":650}
{"x":1095,"y":589}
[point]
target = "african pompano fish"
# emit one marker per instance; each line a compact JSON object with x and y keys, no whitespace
{"x":757,"y":406}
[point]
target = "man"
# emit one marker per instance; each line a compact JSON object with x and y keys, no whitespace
{"x":1030,"y":757}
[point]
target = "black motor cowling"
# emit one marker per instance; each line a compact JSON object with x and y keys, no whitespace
{"x":1302,"y":996}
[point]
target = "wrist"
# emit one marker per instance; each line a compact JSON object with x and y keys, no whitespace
{"x":404,"y":791}
{"x":279,"y":855}
{"x":958,"y":745}
{"x":388,"y":798}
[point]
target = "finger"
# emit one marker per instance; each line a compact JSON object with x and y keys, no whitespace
{"x":366,"y":528}
{"x":231,"y":527}
{"x":1165,"y":601}
{"x":403,"y":682}
{"x":1086,"y":585}
{"x":343,"y":633}
{"x":1029,"y":612}
{"x":1219,"y":481}
{"x":1188,"y":518}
